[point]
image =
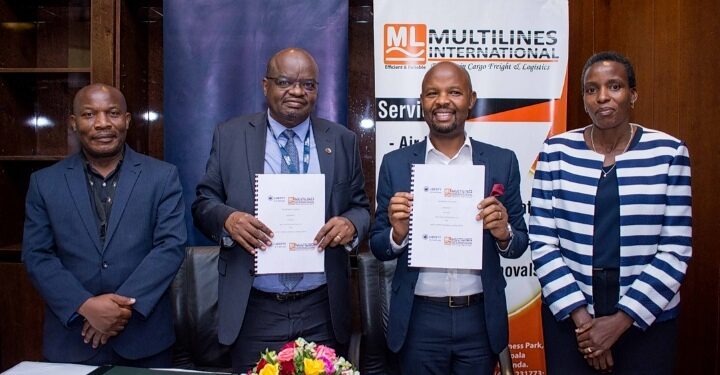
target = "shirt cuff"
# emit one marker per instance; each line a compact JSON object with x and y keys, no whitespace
{"x":352,"y":245}
{"x":397,"y":249}
{"x":73,"y":317}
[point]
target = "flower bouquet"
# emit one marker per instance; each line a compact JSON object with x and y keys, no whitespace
{"x":300,"y":357}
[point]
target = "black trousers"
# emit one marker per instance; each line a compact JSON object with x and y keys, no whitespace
{"x":651,"y":352}
{"x":270,"y":323}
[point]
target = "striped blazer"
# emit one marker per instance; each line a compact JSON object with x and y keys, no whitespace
{"x":655,"y":224}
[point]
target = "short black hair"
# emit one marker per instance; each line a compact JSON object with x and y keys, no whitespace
{"x":609,"y":56}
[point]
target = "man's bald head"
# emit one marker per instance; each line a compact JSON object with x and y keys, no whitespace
{"x":87,"y":90}
{"x":287,"y":55}
{"x":449,"y":65}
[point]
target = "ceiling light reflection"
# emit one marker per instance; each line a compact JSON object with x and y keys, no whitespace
{"x":367,"y":123}
{"x":39,"y":122}
{"x":150,"y":116}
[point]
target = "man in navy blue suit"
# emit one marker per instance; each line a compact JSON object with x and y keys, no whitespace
{"x":257,"y":312}
{"x":448,"y":321}
{"x":104,"y":236}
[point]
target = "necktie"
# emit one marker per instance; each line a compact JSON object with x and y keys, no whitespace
{"x":292,"y":152}
{"x":290,"y":280}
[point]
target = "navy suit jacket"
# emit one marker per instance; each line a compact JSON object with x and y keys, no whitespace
{"x":501,"y":167}
{"x":237,"y":155}
{"x":143,"y":249}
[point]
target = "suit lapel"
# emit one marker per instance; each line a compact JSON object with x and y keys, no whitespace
{"x":417,"y":157}
{"x":77,"y":184}
{"x":255,"y":135}
{"x":129,"y":173}
{"x":479,"y":158}
{"x":326,"y":151}
{"x":419,"y":153}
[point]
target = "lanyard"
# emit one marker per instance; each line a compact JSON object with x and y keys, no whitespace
{"x":286,"y":157}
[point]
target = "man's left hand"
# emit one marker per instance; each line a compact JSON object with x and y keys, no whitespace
{"x":495,"y":218}
{"x":337,"y":231}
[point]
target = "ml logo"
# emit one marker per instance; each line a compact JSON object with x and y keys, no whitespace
{"x":405,"y":44}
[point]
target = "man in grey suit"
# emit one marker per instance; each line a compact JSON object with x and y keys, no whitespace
{"x":265,"y":311}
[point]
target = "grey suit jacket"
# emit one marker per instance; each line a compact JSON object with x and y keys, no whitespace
{"x":237,"y":155}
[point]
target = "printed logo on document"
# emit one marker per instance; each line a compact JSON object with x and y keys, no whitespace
{"x":457,"y":241}
{"x":301,"y":201}
{"x":405,"y":44}
{"x":300,"y":246}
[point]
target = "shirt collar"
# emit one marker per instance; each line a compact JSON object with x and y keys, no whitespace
{"x":430,"y":148}
{"x":300,"y":129}
{"x":89,"y":168}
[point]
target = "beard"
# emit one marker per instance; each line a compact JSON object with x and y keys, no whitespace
{"x":443,"y":129}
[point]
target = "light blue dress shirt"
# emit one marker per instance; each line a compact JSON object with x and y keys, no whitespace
{"x":271,"y":283}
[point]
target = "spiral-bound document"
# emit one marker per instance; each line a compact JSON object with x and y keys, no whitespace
{"x":293,"y":207}
{"x":443,"y":229}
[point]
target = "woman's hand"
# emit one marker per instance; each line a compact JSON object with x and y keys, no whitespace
{"x":599,"y":335}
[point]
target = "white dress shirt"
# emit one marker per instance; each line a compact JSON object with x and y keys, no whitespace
{"x":441,"y":282}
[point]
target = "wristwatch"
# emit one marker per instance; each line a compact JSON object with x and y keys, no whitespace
{"x":226,"y":242}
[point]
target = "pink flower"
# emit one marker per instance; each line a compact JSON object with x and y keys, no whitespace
{"x":323,"y":351}
{"x":497,"y":190}
{"x":329,"y":367}
{"x":290,"y":344}
{"x":286,"y":354}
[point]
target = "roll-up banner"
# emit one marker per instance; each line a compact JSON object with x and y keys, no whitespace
{"x":516,"y":52}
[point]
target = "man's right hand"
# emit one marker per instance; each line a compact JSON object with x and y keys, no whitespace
{"x":249,"y":232}
{"x":107,"y":313}
{"x":94,"y":337}
{"x":399,"y":214}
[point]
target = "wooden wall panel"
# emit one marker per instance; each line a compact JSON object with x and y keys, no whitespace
{"x":102,"y":41}
{"x":698,"y":120}
{"x":581,"y":47}
{"x":19,"y":340}
{"x":132,"y":57}
{"x":155,"y":79}
{"x":361,"y":86}
{"x":664,"y":82}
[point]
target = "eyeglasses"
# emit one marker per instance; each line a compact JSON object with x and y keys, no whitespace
{"x":308,"y":85}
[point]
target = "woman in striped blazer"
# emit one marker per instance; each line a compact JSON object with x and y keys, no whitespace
{"x":610,"y":232}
